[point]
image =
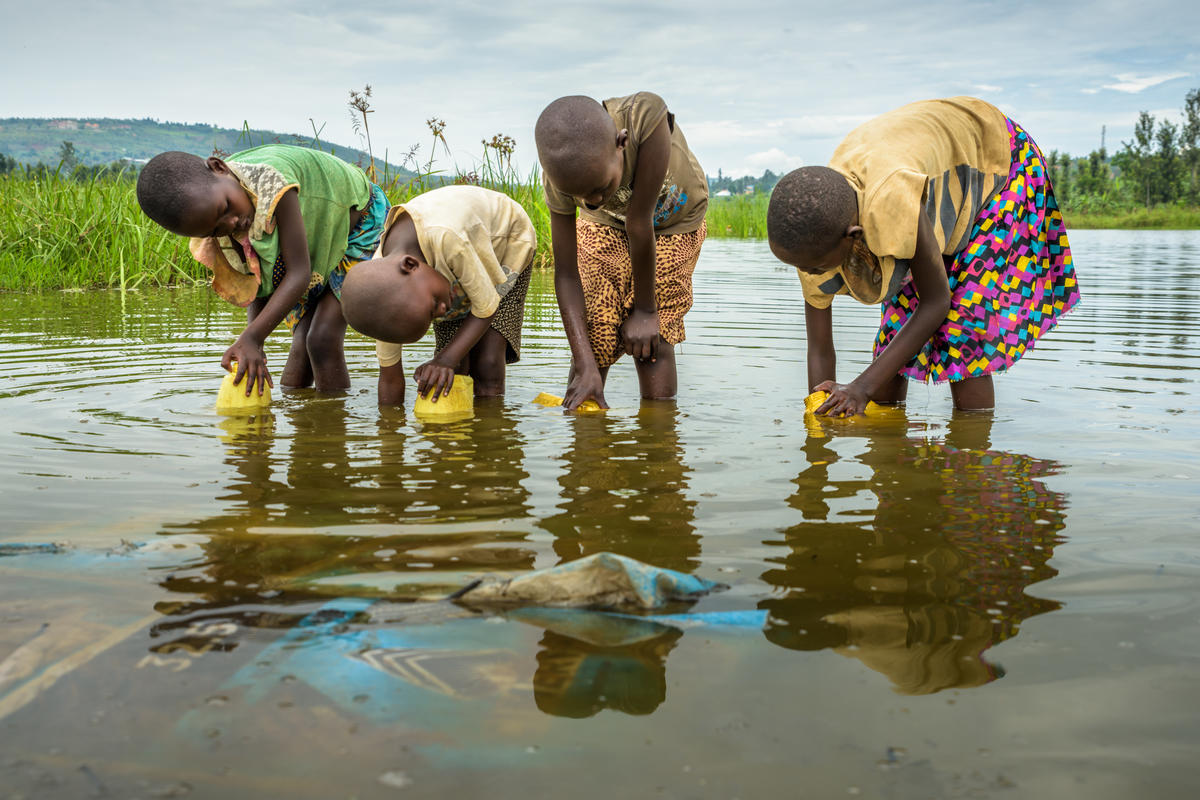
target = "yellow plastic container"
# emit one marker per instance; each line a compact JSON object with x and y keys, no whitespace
{"x":551,"y":401}
{"x":232,"y":399}
{"x":459,"y":404}
{"x":819,"y":425}
{"x":873,"y":409}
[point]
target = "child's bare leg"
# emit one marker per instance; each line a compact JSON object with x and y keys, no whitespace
{"x":658,"y":379}
{"x":326,"y":345}
{"x":974,"y":394}
{"x":297,"y":372}
{"x":894,"y":392}
{"x":487,"y":364}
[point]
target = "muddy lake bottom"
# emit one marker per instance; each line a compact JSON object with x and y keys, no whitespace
{"x":940,"y":605}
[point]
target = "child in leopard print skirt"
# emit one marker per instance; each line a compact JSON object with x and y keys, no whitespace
{"x":623,"y":270}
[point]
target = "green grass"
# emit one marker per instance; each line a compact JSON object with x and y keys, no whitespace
{"x":58,"y":233}
{"x":497,"y":173}
{"x":741,"y":216}
{"x":1159,"y":218}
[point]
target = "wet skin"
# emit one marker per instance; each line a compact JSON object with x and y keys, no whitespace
{"x":881,"y":380}
{"x":223,"y":208}
{"x":594,"y":182}
{"x":476,"y":349}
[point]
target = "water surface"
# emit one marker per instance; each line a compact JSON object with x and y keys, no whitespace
{"x":945,"y":605}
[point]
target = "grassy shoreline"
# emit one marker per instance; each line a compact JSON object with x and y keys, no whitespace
{"x":57,"y":232}
{"x":1162,"y":218}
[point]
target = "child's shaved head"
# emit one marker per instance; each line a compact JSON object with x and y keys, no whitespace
{"x":168,"y":185}
{"x":376,"y":304}
{"x":573,"y":133}
{"x":810,"y":210}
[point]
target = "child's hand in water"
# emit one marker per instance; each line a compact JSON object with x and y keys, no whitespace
{"x":251,"y":363}
{"x":436,"y":377}
{"x":639,"y":333}
{"x":845,"y":399}
{"x":586,"y":385}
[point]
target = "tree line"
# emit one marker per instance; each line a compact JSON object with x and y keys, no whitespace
{"x":1160,"y":165}
{"x":68,"y":165}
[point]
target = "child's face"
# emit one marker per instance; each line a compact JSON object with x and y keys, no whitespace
{"x":817,"y":263}
{"x":220,"y":208}
{"x":428,"y":290}
{"x":597,"y":181}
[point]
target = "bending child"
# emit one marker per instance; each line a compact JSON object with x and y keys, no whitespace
{"x":279,"y":226}
{"x":458,"y":257}
{"x":942,"y":212}
{"x":623,"y":270}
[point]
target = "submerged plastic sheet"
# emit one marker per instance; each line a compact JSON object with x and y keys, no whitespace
{"x":603,"y":580}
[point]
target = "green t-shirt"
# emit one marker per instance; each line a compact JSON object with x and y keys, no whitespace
{"x":327,"y":189}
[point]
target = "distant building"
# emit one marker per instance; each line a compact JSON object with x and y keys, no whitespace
{"x":723,"y":193}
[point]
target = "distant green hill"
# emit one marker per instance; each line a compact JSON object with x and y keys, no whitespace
{"x":100,"y":140}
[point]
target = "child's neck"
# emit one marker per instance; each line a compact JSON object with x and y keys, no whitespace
{"x":402,"y":239}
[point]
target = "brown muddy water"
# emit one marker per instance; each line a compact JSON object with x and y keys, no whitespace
{"x":946,"y":605}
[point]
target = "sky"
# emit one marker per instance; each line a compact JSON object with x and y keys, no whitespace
{"x":754,"y":85}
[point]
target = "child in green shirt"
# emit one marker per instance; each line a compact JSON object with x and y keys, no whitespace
{"x":278,"y":225}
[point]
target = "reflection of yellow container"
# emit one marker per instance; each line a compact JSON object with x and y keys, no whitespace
{"x":249,"y":430}
{"x":232,"y":399}
{"x":550,"y":401}
{"x":459,"y":404}
{"x":874,"y":412}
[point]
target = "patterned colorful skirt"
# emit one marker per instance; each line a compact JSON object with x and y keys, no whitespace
{"x":1008,"y":286}
{"x":607,"y":277}
{"x":360,"y":245}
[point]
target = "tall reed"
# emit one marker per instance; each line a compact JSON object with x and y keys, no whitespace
{"x":60,"y":232}
{"x":742,"y":216}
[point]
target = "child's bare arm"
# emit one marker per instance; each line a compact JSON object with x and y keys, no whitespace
{"x":437,"y":375}
{"x":586,"y":382}
{"x":293,"y":246}
{"x":933,"y":289}
{"x":640,"y":331}
{"x":822,"y":359}
{"x":391,"y":385}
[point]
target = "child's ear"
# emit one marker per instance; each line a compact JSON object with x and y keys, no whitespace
{"x":408,"y":264}
{"x":217,"y":165}
{"x":854,"y":232}
{"x":622,"y":138}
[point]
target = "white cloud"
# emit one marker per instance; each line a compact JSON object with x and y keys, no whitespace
{"x":1132,"y":84}
{"x":756,"y":84}
{"x":773,"y":159}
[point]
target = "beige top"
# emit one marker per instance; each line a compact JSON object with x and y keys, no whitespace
{"x":479,"y":240}
{"x":683,"y":198}
{"x":945,"y":158}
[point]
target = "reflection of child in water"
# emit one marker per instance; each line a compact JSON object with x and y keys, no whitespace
{"x":624,"y":490}
{"x":577,"y":679}
{"x":922,"y":592}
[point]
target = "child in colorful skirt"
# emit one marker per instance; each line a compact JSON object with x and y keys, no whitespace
{"x":458,"y":257}
{"x":278,"y":225}
{"x":942,"y":212}
{"x":623,"y":271}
